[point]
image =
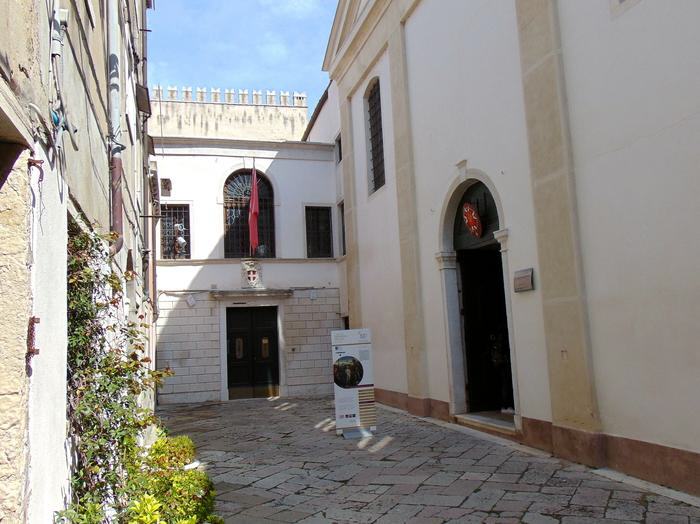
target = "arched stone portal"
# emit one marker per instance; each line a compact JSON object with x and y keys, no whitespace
{"x":474,"y":269}
{"x":489,"y":384}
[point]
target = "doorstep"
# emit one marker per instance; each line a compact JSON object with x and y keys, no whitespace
{"x":491,"y":422}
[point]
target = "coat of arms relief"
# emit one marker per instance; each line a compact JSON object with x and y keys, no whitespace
{"x":251,"y":274}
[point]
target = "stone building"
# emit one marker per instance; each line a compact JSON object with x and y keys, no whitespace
{"x":73,"y":107}
{"x":230,"y":326}
{"x":519,"y":182}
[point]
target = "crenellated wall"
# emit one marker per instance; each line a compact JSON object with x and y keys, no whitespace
{"x":243,"y":115}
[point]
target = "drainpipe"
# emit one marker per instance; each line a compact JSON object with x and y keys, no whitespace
{"x":115,"y":148}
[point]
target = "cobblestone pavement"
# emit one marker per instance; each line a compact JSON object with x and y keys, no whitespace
{"x":281,"y":461}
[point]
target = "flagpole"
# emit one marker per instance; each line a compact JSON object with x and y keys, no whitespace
{"x":253,"y":211}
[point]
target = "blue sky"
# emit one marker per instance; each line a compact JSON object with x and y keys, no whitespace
{"x":241,"y":44}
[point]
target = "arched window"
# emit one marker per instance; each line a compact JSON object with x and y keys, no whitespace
{"x":236,"y":206}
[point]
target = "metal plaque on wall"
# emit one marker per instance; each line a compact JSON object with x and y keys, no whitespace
{"x":523,"y":280}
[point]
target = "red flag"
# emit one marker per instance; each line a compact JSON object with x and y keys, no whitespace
{"x":253,"y":211}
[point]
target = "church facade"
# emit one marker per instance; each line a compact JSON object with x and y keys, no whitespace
{"x":518,"y":182}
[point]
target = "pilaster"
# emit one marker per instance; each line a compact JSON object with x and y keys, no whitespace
{"x":414,"y":332}
{"x":574,"y":405}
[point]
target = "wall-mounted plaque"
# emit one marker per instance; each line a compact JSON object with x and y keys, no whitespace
{"x":523,"y":280}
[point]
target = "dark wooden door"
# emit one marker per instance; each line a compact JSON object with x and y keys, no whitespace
{"x":252,"y":352}
{"x":489,"y":382}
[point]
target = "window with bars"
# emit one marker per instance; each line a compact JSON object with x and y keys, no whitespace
{"x":376,"y":141}
{"x":319,"y":233}
{"x":236,"y":207}
{"x":175,"y":231}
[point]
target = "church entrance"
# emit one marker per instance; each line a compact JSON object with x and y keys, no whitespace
{"x":489,"y":385}
{"x":252,"y":352}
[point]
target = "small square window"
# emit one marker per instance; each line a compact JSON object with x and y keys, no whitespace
{"x":166,"y":186}
{"x":319,"y":234}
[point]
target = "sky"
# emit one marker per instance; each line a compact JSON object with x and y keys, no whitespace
{"x":242,"y":44}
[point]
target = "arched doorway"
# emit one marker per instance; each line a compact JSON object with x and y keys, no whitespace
{"x":489,"y":382}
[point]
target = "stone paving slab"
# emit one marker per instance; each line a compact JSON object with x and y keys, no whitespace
{"x":287,"y":465}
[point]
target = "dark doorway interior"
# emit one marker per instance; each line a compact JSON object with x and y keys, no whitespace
{"x":252,"y":352}
{"x":489,"y":380}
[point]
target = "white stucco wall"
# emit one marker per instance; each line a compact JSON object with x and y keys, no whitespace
{"x":226,"y":274}
{"x":632,"y":84}
{"x":378,"y":240}
{"x":466,"y":103}
{"x":326,"y":129}
{"x":300,"y":175}
{"x":327,"y":124}
{"x":48,"y":460}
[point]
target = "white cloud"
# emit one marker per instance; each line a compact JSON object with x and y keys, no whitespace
{"x":293,"y":8}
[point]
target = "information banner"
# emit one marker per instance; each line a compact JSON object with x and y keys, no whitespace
{"x":353,"y":379}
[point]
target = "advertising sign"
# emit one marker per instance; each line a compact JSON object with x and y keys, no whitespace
{"x":353,"y":379}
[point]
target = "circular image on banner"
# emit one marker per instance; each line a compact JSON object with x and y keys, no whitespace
{"x":347,"y":372}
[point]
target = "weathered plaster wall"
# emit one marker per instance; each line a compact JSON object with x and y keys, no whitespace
{"x":219,"y":120}
{"x":26,"y":77}
{"x":24,"y":32}
{"x":16,"y":307}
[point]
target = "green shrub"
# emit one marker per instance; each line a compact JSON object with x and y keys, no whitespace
{"x":145,"y":510}
{"x":171,"y":452}
{"x":84,"y":513}
{"x":114,"y":478}
{"x":182,"y":494}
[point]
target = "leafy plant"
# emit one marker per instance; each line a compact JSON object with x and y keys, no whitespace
{"x":115,"y":479}
{"x":171,"y":452}
{"x":183,"y":494}
{"x":145,"y":510}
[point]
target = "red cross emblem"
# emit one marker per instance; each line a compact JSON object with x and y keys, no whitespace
{"x":471,"y":219}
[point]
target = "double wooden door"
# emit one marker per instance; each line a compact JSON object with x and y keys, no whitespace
{"x":252,"y":352}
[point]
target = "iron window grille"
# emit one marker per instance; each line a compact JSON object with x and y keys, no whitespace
{"x":236,"y":207}
{"x":376,"y":141}
{"x":175,"y":231}
{"x":319,"y":234}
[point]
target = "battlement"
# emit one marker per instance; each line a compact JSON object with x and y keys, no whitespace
{"x":213,"y":96}
{"x":228,"y":114}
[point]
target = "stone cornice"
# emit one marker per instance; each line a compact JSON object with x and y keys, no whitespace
{"x":247,"y":293}
{"x":238,"y":143}
{"x":236,"y":261}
